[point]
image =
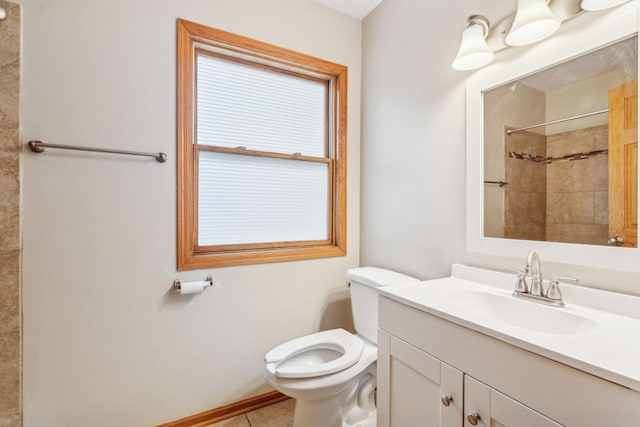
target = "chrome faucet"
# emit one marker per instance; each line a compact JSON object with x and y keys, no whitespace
{"x":535,"y":289}
{"x":532,"y":269}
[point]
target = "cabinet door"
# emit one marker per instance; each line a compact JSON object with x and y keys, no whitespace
{"x":490,"y":408}
{"x":416,"y":389}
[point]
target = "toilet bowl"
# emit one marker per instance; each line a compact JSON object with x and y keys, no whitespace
{"x":332,"y":374}
{"x":344,"y":398}
{"x":322,"y":353}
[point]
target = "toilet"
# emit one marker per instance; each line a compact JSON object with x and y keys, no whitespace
{"x":332,"y":374}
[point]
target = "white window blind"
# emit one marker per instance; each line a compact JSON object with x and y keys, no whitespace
{"x":249,"y":199}
{"x":260,"y":109}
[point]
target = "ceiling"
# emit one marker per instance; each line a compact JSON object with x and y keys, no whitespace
{"x":356,"y":8}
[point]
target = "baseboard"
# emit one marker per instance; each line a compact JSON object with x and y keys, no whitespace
{"x":228,"y":411}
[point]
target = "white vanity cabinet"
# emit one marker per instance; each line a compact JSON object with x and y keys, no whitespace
{"x":423,"y":357}
{"x":419,"y":389}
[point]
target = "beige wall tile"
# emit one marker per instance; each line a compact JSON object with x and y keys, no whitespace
{"x":581,"y":140}
{"x":9,"y":125}
{"x":513,"y":174}
{"x":601,"y":137}
{"x":591,"y":174}
{"x":10,"y":222}
{"x":587,"y":234}
{"x":10,"y":213}
{"x":537,"y":208}
{"x":601,"y":207}
{"x":560,"y":177}
{"x":555,"y":146}
{"x":570,"y":208}
{"x":526,"y":232}
{"x":9,"y":75}
{"x":494,"y":211}
{"x":9,"y":374}
{"x":560,"y":233}
{"x":578,"y":175}
{"x":11,"y":421}
{"x":9,"y":129}
{"x":524,"y":208}
{"x":10,"y":95}
{"x":524,"y":175}
{"x":9,"y":291}
{"x":577,"y":191}
{"x":527,"y":142}
{"x":516,"y":207}
{"x":10,"y":34}
{"x":591,"y":234}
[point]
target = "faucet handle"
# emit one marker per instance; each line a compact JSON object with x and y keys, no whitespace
{"x":553,"y":291}
{"x":521,"y":283}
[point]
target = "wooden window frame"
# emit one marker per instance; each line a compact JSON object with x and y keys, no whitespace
{"x":194,"y":38}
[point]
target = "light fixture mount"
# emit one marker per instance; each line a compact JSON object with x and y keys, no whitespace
{"x":479,"y":20}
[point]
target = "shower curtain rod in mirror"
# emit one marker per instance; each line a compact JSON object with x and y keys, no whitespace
{"x":552,"y":122}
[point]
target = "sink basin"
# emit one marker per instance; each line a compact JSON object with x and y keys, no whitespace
{"x":523,"y":314}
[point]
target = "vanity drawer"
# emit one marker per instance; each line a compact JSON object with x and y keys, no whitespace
{"x":564,"y":394}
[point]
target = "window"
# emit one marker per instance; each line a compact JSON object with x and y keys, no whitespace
{"x":261,"y":152}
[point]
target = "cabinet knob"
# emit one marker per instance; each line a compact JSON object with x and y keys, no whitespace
{"x":473,"y":418}
{"x":446,"y":399}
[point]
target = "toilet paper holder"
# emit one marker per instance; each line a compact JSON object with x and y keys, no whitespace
{"x":177,"y":284}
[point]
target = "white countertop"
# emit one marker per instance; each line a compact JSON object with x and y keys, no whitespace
{"x":610,"y":350}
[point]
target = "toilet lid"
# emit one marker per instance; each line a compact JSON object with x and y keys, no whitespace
{"x":314,"y":355}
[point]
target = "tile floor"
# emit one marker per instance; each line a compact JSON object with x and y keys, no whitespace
{"x":277,"y":415}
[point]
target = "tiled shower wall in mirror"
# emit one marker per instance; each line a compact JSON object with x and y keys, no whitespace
{"x":556,"y":193}
{"x":578,"y":190}
{"x":525,"y":197}
{"x":10,"y":219}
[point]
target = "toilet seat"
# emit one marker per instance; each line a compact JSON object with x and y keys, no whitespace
{"x":315,"y":355}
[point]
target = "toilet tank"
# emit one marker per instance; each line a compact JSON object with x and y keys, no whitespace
{"x":364,"y":297}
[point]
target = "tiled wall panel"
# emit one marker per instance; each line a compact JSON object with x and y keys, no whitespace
{"x":10,"y":218}
{"x":577,"y":190}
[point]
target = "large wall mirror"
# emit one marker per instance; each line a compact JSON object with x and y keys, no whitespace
{"x":560,"y":151}
{"x":552,"y":146}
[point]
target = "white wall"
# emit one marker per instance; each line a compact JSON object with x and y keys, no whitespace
{"x":106,"y":342}
{"x":413,"y":144}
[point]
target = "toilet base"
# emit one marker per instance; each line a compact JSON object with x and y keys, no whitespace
{"x":353,"y":407}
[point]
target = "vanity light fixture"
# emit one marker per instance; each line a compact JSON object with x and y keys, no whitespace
{"x":534,"y":21}
{"x":474,"y":52}
{"x":593,"y":5}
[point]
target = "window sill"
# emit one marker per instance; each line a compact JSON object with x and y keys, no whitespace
{"x":228,"y":259}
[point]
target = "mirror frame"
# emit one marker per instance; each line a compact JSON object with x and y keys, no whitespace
{"x":592,"y":30}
